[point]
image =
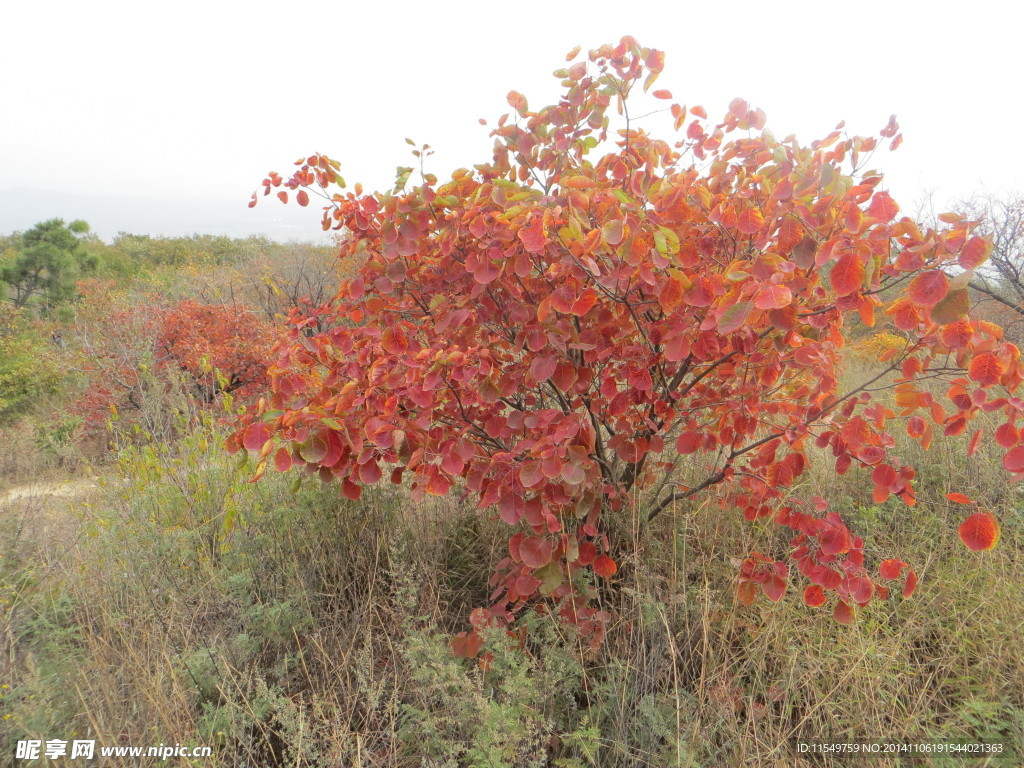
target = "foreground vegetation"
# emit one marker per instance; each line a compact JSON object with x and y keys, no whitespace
{"x":180,"y":604}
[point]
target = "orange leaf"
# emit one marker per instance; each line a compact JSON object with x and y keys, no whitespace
{"x":905,"y":314}
{"x":979,"y":532}
{"x":956,"y":334}
{"x":605,"y":567}
{"x":672,"y":294}
{"x":986,"y":369}
{"x":975,"y":253}
{"x":584,"y":303}
{"x":867,"y":312}
{"x":394,"y":340}
{"x":302,"y":198}
{"x":883,"y":207}
{"x":746,"y":592}
{"x":847,"y":275}
{"x":750,"y":221}
{"x":959,"y":498}
{"x":773,"y":297}
{"x":662,"y":94}
{"x":929,"y":288}
{"x":814,"y":596}
{"x":972,"y":447}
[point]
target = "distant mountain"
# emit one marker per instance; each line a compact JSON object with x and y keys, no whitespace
{"x":22,"y":208}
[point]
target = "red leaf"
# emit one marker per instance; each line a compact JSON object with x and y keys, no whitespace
{"x":871,"y":454}
{"x":588,"y":553}
{"x":911,"y":584}
{"x":860,"y":590}
{"x":302,"y":198}
{"x":532,"y":236}
{"x":255,"y":437}
{"x":543,"y":367}
{"x":350,"y":490}
{"x":979,"y":532}
{"x":605,"y":567}
{"x":438,"y":485}
{"x":843,"y":613}
{"x":929,"y":288}
{"x":701,"y":293}
{"x":1013,"y":461}
{"x":688,"y":442}
{"x":814,"y":596}
{"x":774,"y":587}
{"x":834,"y":541}
{"x":662,"y":94}
{"x":1007,"y":435}
{"x":282,"y":460}
{"x":535,"y":551}
{"x":891,"y":569}
{"x":854,"y":220}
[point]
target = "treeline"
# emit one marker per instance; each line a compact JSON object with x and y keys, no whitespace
{"x":139,"y":330}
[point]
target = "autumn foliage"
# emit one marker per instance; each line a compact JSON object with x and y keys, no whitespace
{"x":601,"y":322}
{"x":131,"y":349}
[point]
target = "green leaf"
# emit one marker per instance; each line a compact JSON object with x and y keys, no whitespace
{"x":670,"y":237}
{"x":551,"y":576}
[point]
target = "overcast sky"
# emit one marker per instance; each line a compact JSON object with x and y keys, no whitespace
{"x":164,"y":117}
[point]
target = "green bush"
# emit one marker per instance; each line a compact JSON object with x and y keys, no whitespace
{"x":29,"y":369}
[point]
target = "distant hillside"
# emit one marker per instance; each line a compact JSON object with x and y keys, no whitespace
{"x":22,"y":208}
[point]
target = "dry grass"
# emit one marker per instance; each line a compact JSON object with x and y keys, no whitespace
{"x":181,"y":605}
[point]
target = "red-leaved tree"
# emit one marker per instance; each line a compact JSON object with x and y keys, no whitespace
{"x":600,"y":320}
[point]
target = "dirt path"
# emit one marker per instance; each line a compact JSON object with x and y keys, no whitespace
{"x":69,"y":490}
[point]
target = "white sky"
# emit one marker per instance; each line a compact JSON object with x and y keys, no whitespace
{"x":187,"y":101}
